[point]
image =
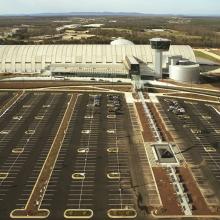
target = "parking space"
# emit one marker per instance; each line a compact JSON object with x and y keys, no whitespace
{"x":12,"y":128}
{"x":85,"y":161}
{"x":5,"y":97}
{"x":120,"y":193}
{"x":200,"y":123}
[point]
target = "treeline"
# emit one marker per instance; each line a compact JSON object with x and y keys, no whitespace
{"x":205,"y":41}
{"x":197,"y":32}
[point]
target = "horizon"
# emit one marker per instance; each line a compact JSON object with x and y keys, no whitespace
{"x":156,"y":7}
{"x":106,"y":13}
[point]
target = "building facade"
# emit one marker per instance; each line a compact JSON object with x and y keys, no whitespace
{"x":39,"y":58}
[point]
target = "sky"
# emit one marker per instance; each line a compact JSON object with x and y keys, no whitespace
{"x":195,"y":7}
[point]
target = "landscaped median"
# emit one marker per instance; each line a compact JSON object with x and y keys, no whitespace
{"x":113,"y":175}
{"x":3,"y":176}
{"x":78,"y":176}
{"x":122,"y":213}
{"x":32,"y":208}
{"x":24,"y":213}
{"x":18,"y":150}
{"x":78,"y":213}
{"x":147,"y":131}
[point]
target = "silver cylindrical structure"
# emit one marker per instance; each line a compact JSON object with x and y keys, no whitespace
{"x":185,"y":73}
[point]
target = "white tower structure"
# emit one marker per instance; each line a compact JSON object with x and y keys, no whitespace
{"x":159,"y":45}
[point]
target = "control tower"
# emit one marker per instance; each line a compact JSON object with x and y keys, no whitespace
{"x":159,"y":45}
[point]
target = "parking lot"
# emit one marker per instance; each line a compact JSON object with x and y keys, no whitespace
{"x":102,"y":170}
{"x":196,"y":128}
{"x":95,"y":156}
{"x":95,"y":166}
{"x":27,"y":131}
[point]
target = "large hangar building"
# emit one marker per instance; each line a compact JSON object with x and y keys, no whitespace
{"x":121,"y":59}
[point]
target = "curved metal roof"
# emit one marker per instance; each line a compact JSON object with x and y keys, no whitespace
{"x":121,"y":41}
{"x":34,"y":58}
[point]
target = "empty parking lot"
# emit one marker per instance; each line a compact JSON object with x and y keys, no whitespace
{"x":93,"y":173}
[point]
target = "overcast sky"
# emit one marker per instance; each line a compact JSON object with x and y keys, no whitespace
{"x":206,"y":7}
